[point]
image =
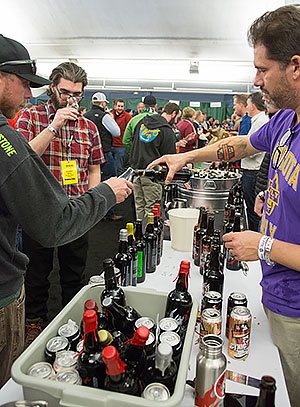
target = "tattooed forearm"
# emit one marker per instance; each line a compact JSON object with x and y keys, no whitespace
{"x":233,"y":149}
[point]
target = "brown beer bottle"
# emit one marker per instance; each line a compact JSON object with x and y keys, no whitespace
{"x":134,"y":354}
{"x":141,"y":252}
{"x":158,"y":173}
{"x":196,"y":227}
{"x":200,"y":233}
{"x":213,"y":278}
{"x":206,"y":243}
{"x":132,"y":250}
{"x":232,"y":263}
{"x":151,"y":244}
{"x":266,"y":396}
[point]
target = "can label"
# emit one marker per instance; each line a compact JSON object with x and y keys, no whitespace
{"x":214,"y":396}
{"x":203,"y":257}
{"x":210,"y":322}
{"x":239,"y":337}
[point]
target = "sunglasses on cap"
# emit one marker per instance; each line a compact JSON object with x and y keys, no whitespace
{"x":30,"y":62}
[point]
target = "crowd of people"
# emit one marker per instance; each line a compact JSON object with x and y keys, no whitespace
{"x":51,"y":187}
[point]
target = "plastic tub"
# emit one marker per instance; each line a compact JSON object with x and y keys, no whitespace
{"x":148,"y":302}
{"x":182,"y":222}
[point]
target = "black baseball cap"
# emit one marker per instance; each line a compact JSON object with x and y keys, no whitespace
{"x":14,"y":58}
{"x":150,"y":100}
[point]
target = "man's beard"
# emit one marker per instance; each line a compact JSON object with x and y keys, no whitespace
{"x":7,"y":108}
{"x":283,"y":96}
{"x":58,"y":104}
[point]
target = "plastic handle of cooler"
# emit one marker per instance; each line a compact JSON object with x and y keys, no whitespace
{"x":210,"y":184}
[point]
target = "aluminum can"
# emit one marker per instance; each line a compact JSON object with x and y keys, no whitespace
{"x":43,"y":370}
{"x":26,"y":403}
{"x":147,"y":322}
{"x":69,"y":376}
{"x":210,"y":373}
{"x":65,"y":360}
{"x":97,"y":280}
{"x":212,"y":299}
{"x":173,"y":339}
{"x":156,"y":391}
{"x":211,"y":322}
{"x":54,"y":345}
{"x":235,"y":299}
{"x":239,"y":333}
{"x":169,"y":324}
{"x":71,"y":331}
{"x":79,"y":346}
{"x":150,"y":345}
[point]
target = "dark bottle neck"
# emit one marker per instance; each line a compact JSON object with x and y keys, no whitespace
{"x":237,"y":223}
{"x":210,"y":227}
{"x":230,"y":198}
{"x":138,"y":231}
{"x":117,"y":310}
{"x":130,"y":240}
{"x":182,"y":283}
{"x":150,"y":228}
{"x":118,"y":378}
{"x":123,"y":246}
{"x":214,"y":259}
{"x":203,"y":224}
{"x":92,"y":342}
{"x":110,"y":278}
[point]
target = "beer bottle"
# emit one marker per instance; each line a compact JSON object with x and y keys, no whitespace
{"x":161,"y":225}
{"x":158,"y":173}
{"x":117,"y":378}
{"x":200,"y":233}
{"x":266,"y":396}
{"x":232,"y":263}
{"x":217,"y":241}
{"x":213,"y":279}
{"x":132,"y":250}
{"x":157,"y":231}
{"x":228,"y":205}
{"x":197,"y":227}
{"x":111,"y":289}
{"x":179,"y":301}
{"x":206,"y":243}
{"x":123,"y":259}
{"x":141,"y":252}
{"x":162,"y":368}
{"x":90,"y":364}
{"x":134,"y":354}
{"x":123,"y":317}
{"x":119,"y":340}
{"x":102,"y":321}
{"x":151,"y":245}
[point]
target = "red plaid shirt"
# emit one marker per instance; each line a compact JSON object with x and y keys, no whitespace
{"x":85,"y":147}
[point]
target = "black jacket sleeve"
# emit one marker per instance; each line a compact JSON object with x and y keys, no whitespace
{"x":262,"y":176}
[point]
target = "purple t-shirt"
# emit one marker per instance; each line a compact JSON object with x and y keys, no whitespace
{"x":281,"y":219}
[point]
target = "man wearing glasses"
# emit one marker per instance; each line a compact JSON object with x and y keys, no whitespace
{"x":31,"y":197}
{"x":276,"y":40}
{"x":70,"y":146}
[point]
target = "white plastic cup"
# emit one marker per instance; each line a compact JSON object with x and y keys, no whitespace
{"x":182,"y":222}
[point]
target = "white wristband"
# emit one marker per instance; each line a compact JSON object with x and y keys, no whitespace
{"x":52,"y":129}
{"x":264,"y":249}
{"x":261,"y":247}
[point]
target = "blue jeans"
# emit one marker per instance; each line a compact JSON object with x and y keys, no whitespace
{"x":248,"y":184}
{"x":119,"y":154}
{"x":108,"y":170}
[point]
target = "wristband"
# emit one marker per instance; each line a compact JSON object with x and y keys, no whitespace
{"x":261,"y":195}
{"x":268,"y":252}
{"x":52,"y":129}
{"x":261,"y":247}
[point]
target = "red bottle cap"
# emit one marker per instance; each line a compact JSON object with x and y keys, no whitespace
{"x":140,"y":336}
{"x":89,"y":321}
{"x":90,"y":304}
{"x":111,"y":358}
{"x":184,"y":267}
{"x":155,"y":211}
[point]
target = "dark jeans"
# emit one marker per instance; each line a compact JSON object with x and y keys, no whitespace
{"x":119,"y":154}
{"x":108,"y":170}
{"x":248,"y":184}
{"x":72,"y":260}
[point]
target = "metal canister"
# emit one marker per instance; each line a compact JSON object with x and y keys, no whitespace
{"x":212,"y":299}
{"x":150,"y":345}
{"x":235,"y":299}
{"x":43,"y":370}
{"x":54,"y":345}
{"x":169,"y":324}
{"x":69,"y":376}
{"x":211,"y":322}
{"x":147,"y":322}
{"x":156,"y":391}
{"x":97,"y":280}
{"x":210,"y":372}
{"x":239,"y":332}
{"x":71,"y":331}
{"x":65,"y":360}
{"x":173,"y":339}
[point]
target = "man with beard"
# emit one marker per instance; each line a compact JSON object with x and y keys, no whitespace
{"x":275,"y":37}
{"x":70,"y":146}
{"x":152,"y":137}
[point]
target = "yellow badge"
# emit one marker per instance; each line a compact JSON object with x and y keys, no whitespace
{"x":69,"y":172}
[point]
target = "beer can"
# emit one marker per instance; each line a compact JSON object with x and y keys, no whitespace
{"x":70,"y":330}
{"x":147,"y":322}
{"x":79,"y":346}
{"x":150,"y":345}
{"x":54,"y":345}
{"x":65,"y":360}
{"x":212,"y":299}
{"x":235,"y":299}
{"x":43,"y":370}
{"x":173,"y":339}
{"x":169,"y":324}
{"x":69,"y":376}
{"x":239,"y":332}
{"x":156,"y":391}
{"x":211,"y":321}
{"x":97,"y":280}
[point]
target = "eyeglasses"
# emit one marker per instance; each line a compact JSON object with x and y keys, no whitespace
{"x":30,"y":62}
{"x":64,"y":95}
{"x":282,"y":149}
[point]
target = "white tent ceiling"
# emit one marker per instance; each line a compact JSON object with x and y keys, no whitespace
{"x":139,"y":44}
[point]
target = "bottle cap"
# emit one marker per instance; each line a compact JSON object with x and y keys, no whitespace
{"x":129,"y":228}
{"x":124,"y":235}
{"x":89,"y":321}
{"x":107,"y":302}
{"x":105,"y":337}
{"x":141,"y":336}
{"x":163,"y":356}
{"x":109,"y":270}
{"x":90,"y":305}
{"x":111,"y":358}
{"x":185,"y":267}
{"x":150,"y":218}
